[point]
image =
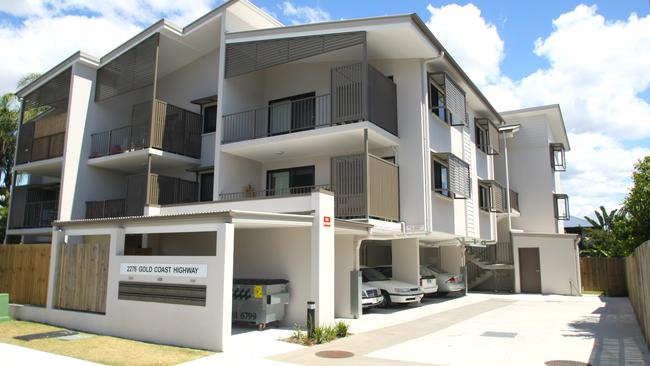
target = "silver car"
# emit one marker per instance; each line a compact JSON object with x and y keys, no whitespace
{"x":447,"y":282}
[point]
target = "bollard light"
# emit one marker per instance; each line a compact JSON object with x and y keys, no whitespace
{"x":311,"y":316}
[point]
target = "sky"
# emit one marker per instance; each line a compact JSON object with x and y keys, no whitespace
{"x":592,"y":58}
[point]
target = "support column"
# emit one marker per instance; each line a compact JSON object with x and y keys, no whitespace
{"x":322,"y":256}
{"x":116,"y":248}
{"x":220,"y":292}
{"x":406,"y":260}
{"x":57,"y":240}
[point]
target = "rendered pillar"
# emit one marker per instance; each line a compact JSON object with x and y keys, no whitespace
{"x":322,"y":257}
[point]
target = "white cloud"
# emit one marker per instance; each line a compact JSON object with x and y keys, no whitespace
{"x":599,"y":172}
{"x":46,"y":32}
{"x":597,"y":69}
{"x":472,"y":41}
{"x":303,"y":14}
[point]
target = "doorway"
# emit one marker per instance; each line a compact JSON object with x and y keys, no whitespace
{"x":529,"y":270}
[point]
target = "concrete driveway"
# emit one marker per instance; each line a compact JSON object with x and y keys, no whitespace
{"x":490,"y":329}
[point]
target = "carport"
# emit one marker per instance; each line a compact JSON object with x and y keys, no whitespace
{"x":175,"y":285}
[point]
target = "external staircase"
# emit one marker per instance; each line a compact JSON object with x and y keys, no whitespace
{"x":484,"y":262}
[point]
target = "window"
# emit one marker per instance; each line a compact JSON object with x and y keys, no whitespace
{"x":441,"y":178}
{"x":558,"y":163}
{"x":484,"y":197}
{"x":210,"y":119}
{"x":437,"y":97}
{"x":291,"y":114}
{"x":290,"y":181}
{"x":207,"y":184}
{"x":447,"y":100}
{"x":481,"y":137}
{"x":561,"y":206}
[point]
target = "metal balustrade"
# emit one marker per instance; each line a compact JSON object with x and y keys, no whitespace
{"x":106,"y":208}
{"x":171,"y":129}
{"x":40,"y":213}
{"x":272,"y":193}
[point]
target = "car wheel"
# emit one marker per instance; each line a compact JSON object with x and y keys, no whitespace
{"x":387,"y":302}
{"x":442,"y":294}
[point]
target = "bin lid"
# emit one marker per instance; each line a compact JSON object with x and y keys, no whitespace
{"x":259,"y":281}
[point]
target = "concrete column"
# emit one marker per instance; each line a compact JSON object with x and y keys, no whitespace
{"x":343,"y":296}
{"x":57,"y":240}
{"x":322,"y":257}
{"x":406,"y":260}
{"x":71,"y":200}
{"x":220,"y":291}
{"x":116,"y":248}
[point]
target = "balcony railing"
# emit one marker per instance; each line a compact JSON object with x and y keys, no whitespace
{"x":41,"y":139}
{"x":34,"y":206}
{"x":499,"y":253}
{"x":162,"y":190}
{"x":107,"y":208}
{"x":353,"y":98}
{"x":161,"y":125}
{"x":514,"y":200}
{"x":271,"y":193}
{"x":357,"y":195}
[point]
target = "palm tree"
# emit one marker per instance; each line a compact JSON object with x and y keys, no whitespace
{"x":604,"y":218}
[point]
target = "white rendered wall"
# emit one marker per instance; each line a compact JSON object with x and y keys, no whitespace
{"x":451,"y":258}
{"x":345,"y":245}
{"x":236,"y":173}
{"x":406,"y":260}
{"x":531,"y":176}
{"x":277,"y":254}
{"x":559,"y":260}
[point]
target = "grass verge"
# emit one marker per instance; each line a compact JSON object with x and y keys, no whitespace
{"x":98,"y":348}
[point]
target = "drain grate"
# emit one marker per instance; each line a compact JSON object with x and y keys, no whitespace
{"x":334,"y":354}
{"x":565,"y":363}
{"x":56,"y":334}
{"x":499,"y":334}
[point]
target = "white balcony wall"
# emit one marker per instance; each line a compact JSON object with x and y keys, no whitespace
{"x":236,"y":173}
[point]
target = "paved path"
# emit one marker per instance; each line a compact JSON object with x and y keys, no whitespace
{"x":499,"y":330}
{"x":11,"y":355}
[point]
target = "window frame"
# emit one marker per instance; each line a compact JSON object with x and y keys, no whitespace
{"x":445,"y":192}
{"x":204,"y":115}
{"x":201,"y":175}
{"x":487,"y":196}
{"x":481,"y":131}
{"x":557,"y":197}
{"x":557,"y":148}
{"x":271,"y":191}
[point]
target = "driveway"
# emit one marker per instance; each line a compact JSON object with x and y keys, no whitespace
{"x":492,"y":330}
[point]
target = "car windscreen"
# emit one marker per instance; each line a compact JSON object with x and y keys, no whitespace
{"x":371,"y":274}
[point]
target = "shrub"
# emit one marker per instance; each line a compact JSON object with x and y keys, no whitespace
{"x":341,"y":329}
{"x":324,"y":334}
{"x":298,"y":334}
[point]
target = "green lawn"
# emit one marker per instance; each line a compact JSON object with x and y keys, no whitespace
{"x":98,"y":348}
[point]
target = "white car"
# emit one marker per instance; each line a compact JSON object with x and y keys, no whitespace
{"x":394,"y":291}
{"x":447,"y":282}
{"x":428,"y":282}
{"x":370,"y":296}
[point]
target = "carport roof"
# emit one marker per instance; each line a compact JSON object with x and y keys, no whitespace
{"x":229,"y":216}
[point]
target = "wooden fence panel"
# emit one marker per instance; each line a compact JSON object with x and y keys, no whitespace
{"x":82,"y":277}
{"x":637,"y":270}
{"x":24,"y":271}
{"x":603,"y":274}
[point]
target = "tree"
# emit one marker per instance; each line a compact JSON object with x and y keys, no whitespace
{"x":637,"y":202}
{"x":605,"y":219}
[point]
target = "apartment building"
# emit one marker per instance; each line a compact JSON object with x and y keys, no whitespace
{"x":244,"y":148}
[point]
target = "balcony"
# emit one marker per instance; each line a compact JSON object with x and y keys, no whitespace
{"x":34,"y":206}
{"x":40,"y":140}
{"x":142,"y":190}
{"x":161,"y":126}
{"x":357,"y":194}
{"x":354,"y":97}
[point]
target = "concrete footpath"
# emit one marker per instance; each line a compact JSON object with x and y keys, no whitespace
{"x":11,"y":355}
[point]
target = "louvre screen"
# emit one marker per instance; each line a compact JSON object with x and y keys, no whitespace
{"x":132,"y":70}
{"x":459,"y":178}
{"x":455,"y":100}
{"x":245,"y":57}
